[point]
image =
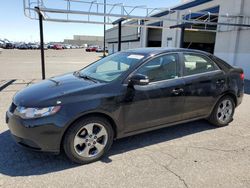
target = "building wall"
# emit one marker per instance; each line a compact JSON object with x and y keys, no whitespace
{"x":112,"y":47}
{"x":88,"y":38}
{"x":130,"y":38}
{"x":128,"y":33}
{"x":174,"y":34}
{"x":171,"y":37}
{"x":232,"y":43}
{"x":81,"y":40}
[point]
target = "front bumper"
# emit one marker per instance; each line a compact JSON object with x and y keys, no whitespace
{"x":41,"y":134}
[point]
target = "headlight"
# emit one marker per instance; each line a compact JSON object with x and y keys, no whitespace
{"x":29,"y":113}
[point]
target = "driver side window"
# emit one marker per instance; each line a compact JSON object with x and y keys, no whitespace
{"x":160,"y":68}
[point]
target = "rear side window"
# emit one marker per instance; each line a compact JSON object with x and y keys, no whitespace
{"x":196,"y":64}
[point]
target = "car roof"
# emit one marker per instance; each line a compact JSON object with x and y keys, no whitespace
{"x":155,"y":51}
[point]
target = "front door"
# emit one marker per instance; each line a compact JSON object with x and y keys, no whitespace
{"x":159,"y":102}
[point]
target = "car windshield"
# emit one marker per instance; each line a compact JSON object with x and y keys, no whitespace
{"x":112,"y":67}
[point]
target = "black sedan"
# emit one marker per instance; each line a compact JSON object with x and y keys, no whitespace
{"x":126,"y":93}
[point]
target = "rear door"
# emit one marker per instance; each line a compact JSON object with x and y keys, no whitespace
{"x":204,"y":82}
{"x":159,"y":102}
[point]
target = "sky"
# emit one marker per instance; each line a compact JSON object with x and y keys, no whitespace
{"x":16,"y":27}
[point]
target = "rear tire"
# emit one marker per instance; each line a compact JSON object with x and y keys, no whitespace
{"x":88,"y":139}
{"x":223,"y":112}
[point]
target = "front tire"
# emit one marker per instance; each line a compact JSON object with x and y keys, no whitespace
{"x":223,"y":112}
{"x":88,"y":139}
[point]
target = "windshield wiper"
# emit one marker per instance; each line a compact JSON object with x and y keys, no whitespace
{"x":86,"y":77}
{"x":56,"y":82}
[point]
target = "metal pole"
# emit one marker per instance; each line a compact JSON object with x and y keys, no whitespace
{"x":119,"y":35}
{"x":41,"y":41}
{"x":182,"y":37}
{"x":104,"y":31}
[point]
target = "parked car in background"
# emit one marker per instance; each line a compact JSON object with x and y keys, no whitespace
{"x":28,"y":46}
{"x":23,"y":46}
{"x":45,"y":47}
{"x":2,"y":44}
{"x":33,"y":46}
{"x":75,"y":47}
{"x":67,"y":46}
{"x":5,"y":43}
{"x":92,"y":48}
{"x":100,"y":49}
{"x":84,"y":46}
{"x":57,"y":47}
{"x":50,"y":46}
{"x":124,"y":94}
{"x":9,"y":45}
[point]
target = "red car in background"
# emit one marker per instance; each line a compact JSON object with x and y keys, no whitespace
{"x":57,"y":47}
{"x":92,"y":48}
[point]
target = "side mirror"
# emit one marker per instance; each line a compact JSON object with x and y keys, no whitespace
{"x":139,"y":79}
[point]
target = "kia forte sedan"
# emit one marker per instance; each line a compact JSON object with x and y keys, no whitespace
{"x":124,"y":94}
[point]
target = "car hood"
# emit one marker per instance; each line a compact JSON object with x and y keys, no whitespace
{"x":51,"y":91}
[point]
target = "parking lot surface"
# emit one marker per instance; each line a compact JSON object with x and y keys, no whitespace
{"x":26,"y":64}
{"x":189,"y":155}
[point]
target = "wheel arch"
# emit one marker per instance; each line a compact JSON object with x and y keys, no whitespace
{"x":212,"y":118}
{"x":228,"y":93}
{"x":91,"y":114}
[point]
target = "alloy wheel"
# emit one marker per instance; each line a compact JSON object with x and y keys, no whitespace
{"x":225,"y":110}
{"x":90,"y":140}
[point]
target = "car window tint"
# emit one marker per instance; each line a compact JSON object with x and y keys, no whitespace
{"x":195,"y":64}
{"x":160,"y":68}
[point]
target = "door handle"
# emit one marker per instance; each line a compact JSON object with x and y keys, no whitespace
{"x":177,"y":91}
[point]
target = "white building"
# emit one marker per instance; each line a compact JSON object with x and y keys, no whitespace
{"x":230,"y":43}
{"x":82,"y":40}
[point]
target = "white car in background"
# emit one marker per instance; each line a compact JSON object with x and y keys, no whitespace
{"x":67,"y":46}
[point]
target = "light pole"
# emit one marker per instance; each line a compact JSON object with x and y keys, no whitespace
{"x":40,"y":15}
{"x":104,"y":30}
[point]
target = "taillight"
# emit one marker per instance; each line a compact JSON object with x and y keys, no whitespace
{"x":242,"y":76}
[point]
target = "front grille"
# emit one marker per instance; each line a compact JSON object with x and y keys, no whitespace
{"x":12,"y":107}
